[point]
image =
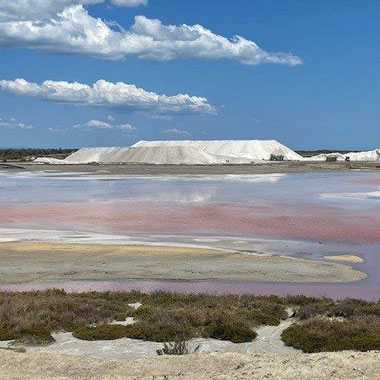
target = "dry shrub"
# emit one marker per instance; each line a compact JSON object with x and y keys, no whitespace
{"x":164,"y":317}
{"x":102,"y":332}
{"x":317,"y":335}
{"x":177,"y":348}
{"x":53,"y":310}
{"x":226,"y":328}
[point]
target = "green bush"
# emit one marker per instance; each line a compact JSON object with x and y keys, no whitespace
{"x":317,"y":335}
{"x":258,"y":318}
{"x":102,"y":332}
{"x":161,"y":332}
{"x":301,"y":300}
{"x":6,"y":333}
{"x":34,"y":336}
{"x":224,"y":328}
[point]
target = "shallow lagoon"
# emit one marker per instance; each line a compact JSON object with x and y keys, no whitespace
{"x":304,"y":215}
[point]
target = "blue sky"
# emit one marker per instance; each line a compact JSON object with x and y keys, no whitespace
{"x":330,"y":100}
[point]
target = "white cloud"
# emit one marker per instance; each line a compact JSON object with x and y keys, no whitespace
{"x":65,"y":26}
{"x":14,"y":124}
{"x":129,"y":3}
{"x":160,"y":117}
{"x":99,"y":124}
{"x":121,"y":96}
{"x":47,"y":10}
{"x":56,"y":130}
{"x":176,"y":131}
{"x":36,"y":10}
{"x":111,"y":118}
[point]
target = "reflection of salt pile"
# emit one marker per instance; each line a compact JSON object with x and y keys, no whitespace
{"x":185,"y":152}
{"x":371,"y":155}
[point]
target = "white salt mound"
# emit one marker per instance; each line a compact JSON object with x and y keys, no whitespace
{"x":183,"y":152}
{"x":154,"y":155}
{"x":192,"y":152}
{"x":238,"y":151}
{"x":50,"y":161}
{"x":371,"y":155}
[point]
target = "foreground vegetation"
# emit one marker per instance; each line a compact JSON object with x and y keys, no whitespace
{"x":164,"y":317}
{"x":321,"y":323}
{"x":325,"y":325}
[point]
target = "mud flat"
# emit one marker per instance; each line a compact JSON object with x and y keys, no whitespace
{"x":265,"y":167}
{"x":295,"y":366}
{"x":22,"y":262}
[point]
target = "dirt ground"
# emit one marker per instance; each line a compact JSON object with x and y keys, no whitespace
{"x":227,"y":366}
{"x":36,"y":261}
{"x":258,"y":168}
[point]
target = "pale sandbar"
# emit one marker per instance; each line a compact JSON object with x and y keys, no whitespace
{"x":345,"y":258}
{"x":22,"y":262}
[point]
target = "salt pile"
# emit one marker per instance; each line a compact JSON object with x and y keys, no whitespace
{"x":192,"y":152}
{"x":183,"y":152}
{"x":371,"y":155}
{"x":180,"y":155}
{"x":51,"y":161}
{"x":237,"y":151}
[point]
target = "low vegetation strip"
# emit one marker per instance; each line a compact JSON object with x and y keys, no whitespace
{"x":164,"y":317}
{"x":26,"y":154}
{"x":325,"y":325}
{"x":322,"y":324}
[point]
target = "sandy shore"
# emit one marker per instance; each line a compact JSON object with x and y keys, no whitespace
{"x":259,"y":168}
{"x":229,"y":366}
{"x":22,"y":262}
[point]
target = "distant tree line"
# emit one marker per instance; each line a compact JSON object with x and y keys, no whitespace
{"x":26,"y":154}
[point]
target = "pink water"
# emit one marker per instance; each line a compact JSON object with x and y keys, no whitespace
{"x":323,"y":212}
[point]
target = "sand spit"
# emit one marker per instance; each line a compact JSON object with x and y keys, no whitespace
{"x":228,"y":366}
{"x":345,"y":258}
{"x":22,"y":262}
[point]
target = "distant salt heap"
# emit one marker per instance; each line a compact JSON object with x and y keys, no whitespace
{"x":232,"y":151}
{"x":192,"y":152}
{"x":371,"y":155}
{"x":183,"y":152}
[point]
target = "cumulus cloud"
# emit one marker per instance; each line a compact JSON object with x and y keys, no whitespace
{"x":99,"y":124}
{"x":110,"y":118}
{"x":48,"y":10}
{"x":65,"y":26}
{"x":14,"y":124}
{"x":175,"y":131}
{"x":121,"y":96}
